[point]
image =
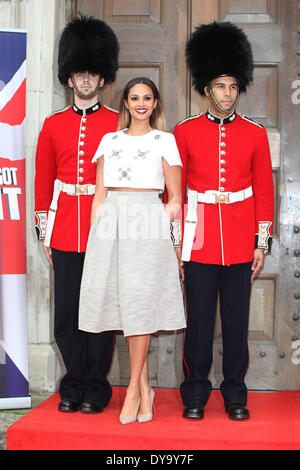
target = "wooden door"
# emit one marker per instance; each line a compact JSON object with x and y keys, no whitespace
{"x":152,"y":35}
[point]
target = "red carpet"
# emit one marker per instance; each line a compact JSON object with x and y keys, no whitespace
{"x":274,"y":425}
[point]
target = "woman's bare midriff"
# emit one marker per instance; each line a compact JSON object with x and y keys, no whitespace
{"x":131,"y":189}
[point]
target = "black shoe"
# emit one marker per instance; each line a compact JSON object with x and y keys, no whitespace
{"x":69,"y":405}
{"x":237,"y":412}
{"x":194,"y":410}
{"x":91,"y":407}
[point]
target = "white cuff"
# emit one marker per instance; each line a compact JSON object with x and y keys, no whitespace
{"x":41,"y":224}
{"x":264,"y":235}
{"x":176,"y":233}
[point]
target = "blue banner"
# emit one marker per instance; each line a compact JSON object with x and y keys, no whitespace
{"x":14,"y":385}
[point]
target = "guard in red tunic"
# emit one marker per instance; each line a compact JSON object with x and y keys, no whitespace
{"x":64,"y":188}
{"x":228,"y":188}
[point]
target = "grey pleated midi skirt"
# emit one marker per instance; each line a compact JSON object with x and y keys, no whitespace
{"x":130,"y":279}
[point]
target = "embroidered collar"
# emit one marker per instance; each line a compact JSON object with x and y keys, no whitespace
{"x":86,"y":111}
{"x":217,"y":120}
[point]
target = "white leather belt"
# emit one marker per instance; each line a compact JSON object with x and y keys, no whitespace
{"x":72,"y":190}
{"x":209,"y":197}
{"x":78,"y":189}
{"x":216,"y":197}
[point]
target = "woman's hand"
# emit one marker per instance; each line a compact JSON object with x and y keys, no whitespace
{"x":180,"y":263}
{"x":258,"y":262}
{"x":48,"y":253}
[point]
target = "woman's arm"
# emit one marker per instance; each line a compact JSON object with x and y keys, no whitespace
{"x":172,"y":175}
{"x":101,"y":191}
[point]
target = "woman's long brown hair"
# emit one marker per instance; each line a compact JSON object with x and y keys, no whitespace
{"x":157,"y":118}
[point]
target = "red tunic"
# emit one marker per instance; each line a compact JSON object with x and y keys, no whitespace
{"x":227,"y":155}
{"x":66,"y":146}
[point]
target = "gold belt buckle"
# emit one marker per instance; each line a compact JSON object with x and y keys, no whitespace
{"x":81,"y":189}
{"x":222,"y":198}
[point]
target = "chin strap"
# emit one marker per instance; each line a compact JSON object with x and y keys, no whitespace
{"x":219,"y":107}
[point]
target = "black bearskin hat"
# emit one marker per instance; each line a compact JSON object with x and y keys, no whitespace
{"x":88,"y":44}
{"x":218,"y":49}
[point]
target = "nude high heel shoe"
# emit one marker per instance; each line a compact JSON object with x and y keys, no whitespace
{"x":143,"y":418}
{"x":130,"y":419}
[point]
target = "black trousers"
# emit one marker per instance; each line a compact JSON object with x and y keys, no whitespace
{"x":202,"y":282}
{"x":87,"y":356}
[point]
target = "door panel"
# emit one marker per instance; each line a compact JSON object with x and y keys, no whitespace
{"x":249,"y":11}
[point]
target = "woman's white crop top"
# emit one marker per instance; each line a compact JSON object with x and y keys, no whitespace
{"x":136,"y":161}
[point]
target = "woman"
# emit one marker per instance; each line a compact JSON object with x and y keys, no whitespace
{"x":130,"y":279}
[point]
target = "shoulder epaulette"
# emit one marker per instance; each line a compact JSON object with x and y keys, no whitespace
{"x":246,"y":118}
{"x":189,"y":118}
{"x":58,"y":111}
{"x":110,"y":109}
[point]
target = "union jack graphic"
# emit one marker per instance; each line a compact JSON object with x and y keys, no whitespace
{"x":14,"y":388}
